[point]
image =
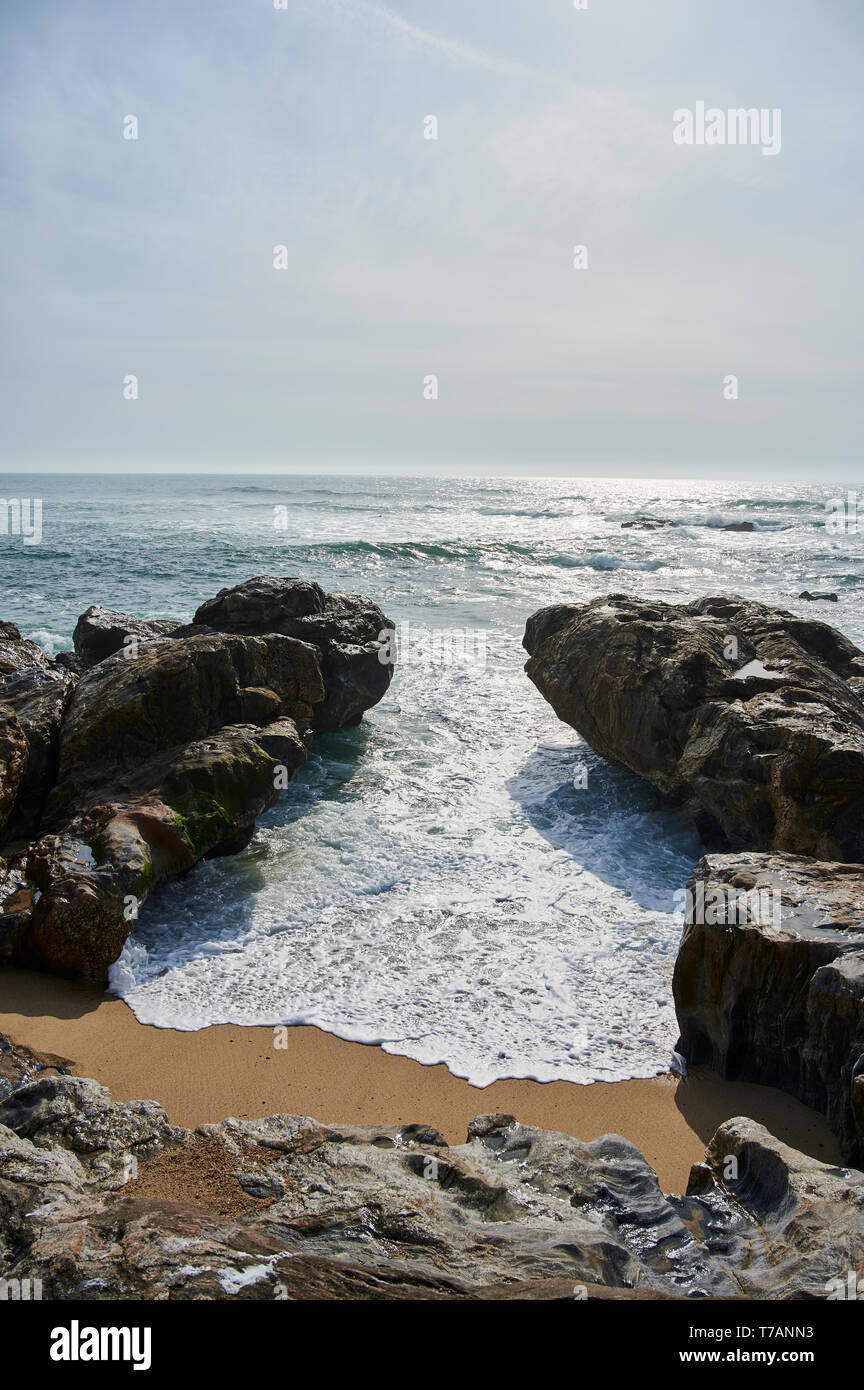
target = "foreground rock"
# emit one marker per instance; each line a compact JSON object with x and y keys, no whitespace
{"x":748,"y":717}
{"x":780,"y":999}
{"x":107,"y":1201}
{"x":167,"y":749}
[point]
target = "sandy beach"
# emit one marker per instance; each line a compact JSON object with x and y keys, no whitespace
{"x":226,"y":1070}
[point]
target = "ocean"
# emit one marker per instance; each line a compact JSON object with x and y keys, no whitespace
{"x":459,"y":879}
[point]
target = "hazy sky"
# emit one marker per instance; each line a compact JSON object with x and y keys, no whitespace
{"x":304,"y":127}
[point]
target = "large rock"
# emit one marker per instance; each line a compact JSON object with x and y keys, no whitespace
{"x":125,"y":710}
{"x":748,"y":717}
{"x":166,"y":750}
{"x":779,"y":999}
{"x":107,"y":1201}
{"x":346,"y":629}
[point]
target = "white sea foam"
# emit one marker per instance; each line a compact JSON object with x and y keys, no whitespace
{"x":435,"y":883}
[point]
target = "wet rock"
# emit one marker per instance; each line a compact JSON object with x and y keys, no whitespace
{"x":778,"y":1000}
{"x":815,"y":598}
{"x":809,"y":1215}
{"x":739,"y":526}
{"x":20,"y":1065}
{"x":647,"y":523}
{"x":747,"y":717}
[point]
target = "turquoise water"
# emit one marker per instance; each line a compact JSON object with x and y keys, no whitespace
{"x":433,"y":880}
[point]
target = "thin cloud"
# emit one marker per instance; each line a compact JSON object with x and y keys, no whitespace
{"x":372,"y":16}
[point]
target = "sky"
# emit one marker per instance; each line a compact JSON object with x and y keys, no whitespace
{"x":407,"y":258}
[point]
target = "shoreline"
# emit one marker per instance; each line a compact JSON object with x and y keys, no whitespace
{"x":228,"y":1069}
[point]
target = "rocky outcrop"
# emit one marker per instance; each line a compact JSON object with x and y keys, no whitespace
{"x":101,"y":1200}
{"x":751,"y":720}
{"x":769,"y":980}
{"x":164,"y":751}
{"x":748,"y":717}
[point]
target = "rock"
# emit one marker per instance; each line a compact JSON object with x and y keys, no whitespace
{"x":814,"y":598}
{"x":175,"y":692}
{"x":13,"y":760}
{"x":778,"y":1000}
{"x":20,"y":1065}
{"x":747,"y":717}
{"x":70,"y":899}
{"x":101,"y":632}
{"x":647,"y":523}
{"x":164,"y":751}
{"x":346,"y":630}
{"x":35,"y":690}
{"x":107,"y":1201}
{"x":740,"y":526}
{"x":810,"y":1215}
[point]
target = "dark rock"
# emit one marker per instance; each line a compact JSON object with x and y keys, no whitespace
{"x":70,"y":899}
{"x":174,"y":692}
{"x":814,"y":598}
{"x":778,"y":1000}
{"x":165,"y":751}
{"x":70,"y":662}
{"x":35,"y":690}
{"x":346,"y":630}
{"x":101,"y":632}
{"x":749,"y":718}
{"x":740,"y":526}
{"x":13,"y":760}
{"x":647,"y":523}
